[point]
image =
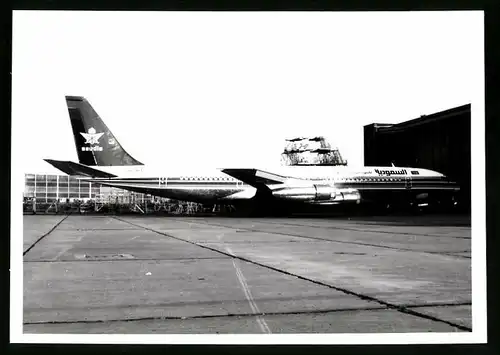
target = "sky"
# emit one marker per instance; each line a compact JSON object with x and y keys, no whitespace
{"x":226,"y":89}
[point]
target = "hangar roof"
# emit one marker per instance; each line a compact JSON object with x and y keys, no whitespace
{"x":422,"y":120}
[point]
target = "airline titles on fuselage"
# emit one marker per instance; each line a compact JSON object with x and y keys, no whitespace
{"x":391,"y":172}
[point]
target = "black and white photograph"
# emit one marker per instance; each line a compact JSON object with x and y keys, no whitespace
{"x":248,"y":177}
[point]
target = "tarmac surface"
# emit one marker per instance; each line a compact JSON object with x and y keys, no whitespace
{"x":146,"y":274}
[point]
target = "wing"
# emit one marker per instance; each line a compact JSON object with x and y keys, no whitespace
{"x":256,"y":178}
{"x":291,"y":189}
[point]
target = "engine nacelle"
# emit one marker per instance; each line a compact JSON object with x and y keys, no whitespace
{"x":306,"y":193}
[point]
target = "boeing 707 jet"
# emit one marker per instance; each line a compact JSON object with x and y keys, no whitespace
{"x":102,"y":160}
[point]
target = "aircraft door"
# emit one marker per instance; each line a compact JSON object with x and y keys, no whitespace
{"x":408,"y":182}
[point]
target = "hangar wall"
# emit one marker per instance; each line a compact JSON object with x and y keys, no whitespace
{"x":440,"y":142}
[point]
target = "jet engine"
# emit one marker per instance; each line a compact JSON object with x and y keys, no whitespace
{"x":306,"y":193}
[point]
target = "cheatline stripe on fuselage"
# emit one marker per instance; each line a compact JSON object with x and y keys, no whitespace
{"x":156,"y":180}
{"x":171,"y":183}
{"x":186,"y":187}
{"x":355,"y":182}
{"x":228,"y":181}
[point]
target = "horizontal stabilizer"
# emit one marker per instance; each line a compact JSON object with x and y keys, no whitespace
{"x":72,"y":168}
{"x":254,"y":177}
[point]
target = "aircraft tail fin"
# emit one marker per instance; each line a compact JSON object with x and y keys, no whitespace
{"x":95,"y":144}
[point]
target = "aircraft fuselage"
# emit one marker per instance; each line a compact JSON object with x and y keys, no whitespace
{"x":346,"y":184}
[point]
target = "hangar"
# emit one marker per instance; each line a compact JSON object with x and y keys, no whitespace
{"x":440,"y":141}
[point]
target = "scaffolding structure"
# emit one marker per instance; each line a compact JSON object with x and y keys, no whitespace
{"x":310,"y":151}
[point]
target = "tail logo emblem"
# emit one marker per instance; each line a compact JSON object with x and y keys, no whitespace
{"x":92,"y":138}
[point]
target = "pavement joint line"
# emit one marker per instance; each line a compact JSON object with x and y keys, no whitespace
{"x":463,"y":227}
{"x":401,"y":309}
{"x":457,"y":304}
{"x":457,"y":255}
{"x":346,"y":228}
{"x":234,"y":315}
{"x":265,"y":299}
{"x":46,"y":234}
{"x":256,"y":242}
{"x":248,"y":294}
{"x":457,"y":251}
{"x":115,"y":260}
{"x":370,"y":231}
{"x":98,"y":229}
{"x":228,"y":315}
{"x":338,"y":241}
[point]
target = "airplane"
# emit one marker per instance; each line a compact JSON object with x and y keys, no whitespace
{"x":103,"y":160}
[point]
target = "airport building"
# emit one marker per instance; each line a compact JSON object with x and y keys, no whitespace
{"x":440,"y":141}
{"x":51,"y":188}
